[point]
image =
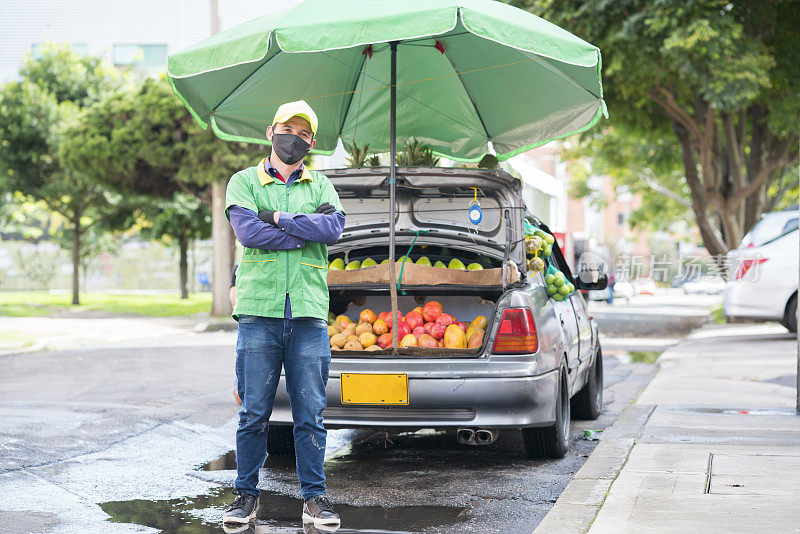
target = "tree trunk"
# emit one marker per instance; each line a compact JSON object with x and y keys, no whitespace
{"x":221,"y":236}
{"x":183,"y":244}
{"x":76,"y":258}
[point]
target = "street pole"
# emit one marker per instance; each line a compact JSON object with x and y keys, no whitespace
{"x":221,"y":232}
{"x":797,"y":310}
{"x":392,"y":188}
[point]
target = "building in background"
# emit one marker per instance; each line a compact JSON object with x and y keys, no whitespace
{"x":128,"y":34}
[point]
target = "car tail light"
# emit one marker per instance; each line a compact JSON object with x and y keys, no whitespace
{"x":516,"y":333}
{"x":745,"y":266}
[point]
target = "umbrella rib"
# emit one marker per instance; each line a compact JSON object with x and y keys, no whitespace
{"x":352,"y":93}
{"x":560,"y":72}
{"x":387,"y":85}
{"x":466,"y":90}
{"x":242,"y":82}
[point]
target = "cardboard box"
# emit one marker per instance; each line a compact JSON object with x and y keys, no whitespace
{"x":422,"y":275}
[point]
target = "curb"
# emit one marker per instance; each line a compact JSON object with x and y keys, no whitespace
{"x":223,"y":325}
{"x":580,"y":502}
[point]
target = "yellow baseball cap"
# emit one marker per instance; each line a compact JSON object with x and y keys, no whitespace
{"x":298,"y":108}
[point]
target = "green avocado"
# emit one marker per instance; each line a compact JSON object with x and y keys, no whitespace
{"x":369,"y":262}
{"x":424,"y":260}
{"x":455,"y":263}
{"x":353,"y":265}
{"x":385,"y":261}
{"x":440,"y":264}
{"x":336,"y":265}
{"x":474,"y":267}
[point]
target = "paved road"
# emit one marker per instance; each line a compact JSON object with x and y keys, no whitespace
{"x":134,"y":422}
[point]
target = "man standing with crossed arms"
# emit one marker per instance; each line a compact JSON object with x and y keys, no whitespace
{"x":284,"y":215}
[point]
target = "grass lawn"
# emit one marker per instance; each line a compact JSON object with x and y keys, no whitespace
{"x":43,"y":303}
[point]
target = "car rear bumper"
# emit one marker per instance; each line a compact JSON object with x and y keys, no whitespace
{"x":442,"y":403}
{"x":747,"y":300}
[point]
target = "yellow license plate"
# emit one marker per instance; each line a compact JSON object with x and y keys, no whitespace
{"x":374,"y":389}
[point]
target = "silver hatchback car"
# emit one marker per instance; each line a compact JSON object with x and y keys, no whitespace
{"x":540,"y":362}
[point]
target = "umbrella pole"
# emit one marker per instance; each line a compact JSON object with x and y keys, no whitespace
{"x":392,"y":187}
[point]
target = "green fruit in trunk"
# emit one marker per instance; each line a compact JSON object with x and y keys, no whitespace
{"x":353,"y":265}
{"x":424,"y":260}
{"x":474,"y":267}
{"x":369,"y":262}
{"x":455,"y":263}
{"x":385,"y":261}
{"x":336,"y":265}
{"x":440,"y":264}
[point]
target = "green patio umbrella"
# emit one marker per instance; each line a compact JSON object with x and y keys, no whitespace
{"x":457,"y":75}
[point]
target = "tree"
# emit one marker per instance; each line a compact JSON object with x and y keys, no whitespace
{"x":33,"y":113}
{"x":181,"y":220}
{"x":144,"y":142}
{"x":719,"y":81}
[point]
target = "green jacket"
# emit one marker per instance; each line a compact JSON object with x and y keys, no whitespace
{"x":265,"y":276}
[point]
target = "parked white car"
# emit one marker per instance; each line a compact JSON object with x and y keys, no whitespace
{"x":707,"y":285}
{"x":763,"y":276}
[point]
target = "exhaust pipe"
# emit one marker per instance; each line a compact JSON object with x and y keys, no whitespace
{"x":486,"y":437}
{"x":466,"y":436}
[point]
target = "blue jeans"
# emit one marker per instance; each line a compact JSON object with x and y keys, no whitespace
{"x":302,"y":347}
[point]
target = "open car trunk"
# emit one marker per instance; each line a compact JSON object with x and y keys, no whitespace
{"x":432,"y":214}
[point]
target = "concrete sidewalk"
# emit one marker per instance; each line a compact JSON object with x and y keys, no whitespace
{"x":711,"y":445}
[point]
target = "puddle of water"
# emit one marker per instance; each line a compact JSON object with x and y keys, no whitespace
{"x":227,"y":462}
{"x":277,"y":514}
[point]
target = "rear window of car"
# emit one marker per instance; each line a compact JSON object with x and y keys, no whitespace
{"x":768,"y":228}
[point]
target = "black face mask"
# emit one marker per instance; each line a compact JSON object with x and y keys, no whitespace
{"x":289,"y":148}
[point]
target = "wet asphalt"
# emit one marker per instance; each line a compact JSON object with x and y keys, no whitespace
{"x":119,"y":439}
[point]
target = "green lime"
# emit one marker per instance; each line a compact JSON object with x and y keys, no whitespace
{"x":551,"y":289}
{"x":558,"y":296}
{"x":547,"y":250}
{"x":549,"y":279}
{"x":571,"y":287}
{"x":549,"y":239}
{"x":564,"y":290}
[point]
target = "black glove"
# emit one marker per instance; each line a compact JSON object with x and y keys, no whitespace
{"x":267,"y":216}
{"x":325,"y":208}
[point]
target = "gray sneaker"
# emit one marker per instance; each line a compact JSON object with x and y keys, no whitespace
{"x":319,"y":511}
{"x":242,"y":510}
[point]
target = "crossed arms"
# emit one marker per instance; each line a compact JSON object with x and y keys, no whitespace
{"x":292,"y":230}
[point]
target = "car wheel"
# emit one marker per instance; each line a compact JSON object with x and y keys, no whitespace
{"x":588,"y":403}
{"x":280,"y":440}
{"x":551,"y":441}
{"x":790,"y":317}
